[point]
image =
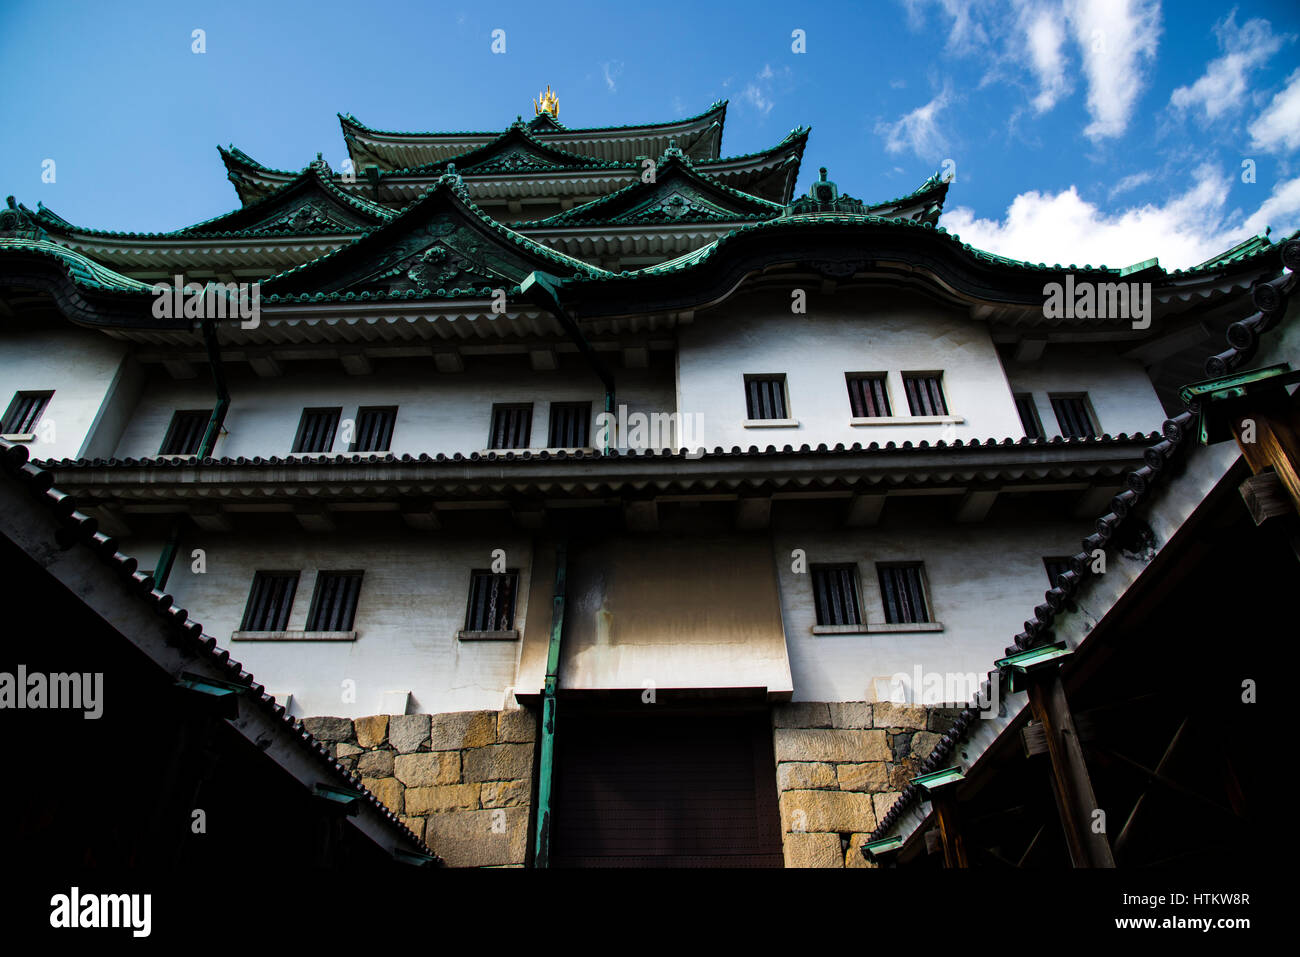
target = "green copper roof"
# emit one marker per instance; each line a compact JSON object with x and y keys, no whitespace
{"x":679,"y":194}
{"x":83,"y":270}
{"x":407,"y":251}
{"x":1243,"y":250}
{"x":348,"y":120}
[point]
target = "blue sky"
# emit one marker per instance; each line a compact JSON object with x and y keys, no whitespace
{"x":1079,"y":130}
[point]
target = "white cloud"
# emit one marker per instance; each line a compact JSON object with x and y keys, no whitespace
{"x":1118,"y":39}
{"x":612,"y":71}
{"x":1044,"y":35}
{"x":966,"y":32}
{"x":1223,"y":85}
{"x":918,"y":130}
{"x":1130,"y":183}
{"x":758,"y":99}
{"x":1186,"y":230}
{"x":1278,"y":127}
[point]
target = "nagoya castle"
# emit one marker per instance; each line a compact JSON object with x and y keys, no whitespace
{"x":558,"y":495}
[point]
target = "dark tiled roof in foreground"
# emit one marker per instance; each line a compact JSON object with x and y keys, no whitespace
{"x":77,"y":528}
{"x":1271,"y":300}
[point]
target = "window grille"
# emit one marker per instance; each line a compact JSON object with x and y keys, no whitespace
{"x":334,"y":603}
{"x":835,"y":594}
{"x":925,"y":393}
{"x":316,"y":430}
{"x":902,"y":590}
{"x":1074,"y":416}
{"x":1029,"y":415}
{"x":270,"y":601}
{"x":185,"y":434}
{"x":491,"y":601}
{"x":512,"y":426}
{"x":24,"y":412}
{"x":374,"y":429}
{"x":570,"y":422}
{"x":867,"y":396}
{"x":765,"y":397}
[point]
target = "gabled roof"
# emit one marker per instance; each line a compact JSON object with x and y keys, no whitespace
{"x":516,"y":150}
{"x":81,"y":270}
{"x":679,"y":193}
{"x":308,"y":203}
{"x":441,"y":246}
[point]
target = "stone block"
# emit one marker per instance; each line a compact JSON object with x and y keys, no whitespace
{"x":942,"y":719}
{"x":448,"y":797}
{"x":881,"y":803}
{"x":479,"y":838}
{"x":923,"y":742}
{"x":408,"y":732}
{"x":886,"y":714}
{"x":505,"y":793}
{"x":850,"y":714}
{"x":836,"y":811}
{"x":329,"y":729}
{"x":372,"y":731}
{"x":800,"y":775}
{"x":376,"y":764}
{"x":829,"y":745}
{"x":345,"y":750}
{"x":516,"y":727}
{"x":873,"y":776}
{"x":812,"y":850}
{"x":463,"y":729}
{"x":801,"y":714}
{"x":854,"y":857}
{"x":500,"y":762}
{"x":388,"y":790}
{"x":427,"y":768}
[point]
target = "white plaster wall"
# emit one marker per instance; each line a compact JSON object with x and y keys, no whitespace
{"x":983,"y":582}
{"x":79,"y":366}
{"x":436,"y":412}
{"x":411,"y":605}
{"x":881,"y":333}
{"x":1120,"y":390}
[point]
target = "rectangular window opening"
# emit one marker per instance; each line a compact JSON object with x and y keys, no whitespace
{"x":316,"y":430}
{"x":835,"y":594}
{"x":1028,"y":415}
{"x":24,"y":412}
{"x":902,"y":590}
{"x":512,"y":426}
{"x":491,"y":601}
{"x":270,"y":601}
{"x":867,"y":395}
{"x":1074,"y":414}
{"x":334,"y":602}
{"x":570,"y":424}
{"x":765,"y":397}
{"x":925,"y":393}
{"x":185,"y":434}
{"x":375,"y":429}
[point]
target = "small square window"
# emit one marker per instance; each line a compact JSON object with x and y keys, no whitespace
{"x":570,"y":425}
{"x":835,"y":594}
{"x":185,"y":434}
{"x":902,"y":589}
{"x":316,"y":430}
{"x":270,"y":601}
{"x":491,"y":601}
{"x":512,"y":426}
{"x":1028,"y":415}
{"x":925,"y":393}
{"x":1074,"y":414}
{"x":868,"y":397}
{"x":24,"y":412}
{"x":375,"y":429}
{"x":765,"y":397}
{"x":334,"y":603}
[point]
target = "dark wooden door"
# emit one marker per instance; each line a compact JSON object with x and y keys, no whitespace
{"x":665,"y":790}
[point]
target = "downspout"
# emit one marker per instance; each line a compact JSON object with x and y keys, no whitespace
{"x":546,"y":766}
{"x":543,"y":289}
{"x":162,"y":571}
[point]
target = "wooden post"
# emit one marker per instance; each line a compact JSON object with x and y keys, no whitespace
{"x":1075,"y":800}
{"x":954,"y":846}
{"x":1276,"y":444}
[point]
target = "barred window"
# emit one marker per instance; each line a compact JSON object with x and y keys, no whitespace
{"x":316,"y":430}
{"x":570,"y":422}
{"x":765,"y":397}
{"x":1056,"y":567}
{"x":270,"y":601}
{"x":185,"y":434}
{"x":1074,"y":415}
{"x":1028,"y":415}
{"x":334,"y":603}
{"x":24,"y":412}
{"x":375,"y":429}
{"x":867,"y":395}
{"x":835,"y":594}
{"x":902,"y":589}
{"x":491,"y":601}
{"x":512,"y":426}
{"x":925,"y":393}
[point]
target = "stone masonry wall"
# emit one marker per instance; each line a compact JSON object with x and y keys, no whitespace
{"x":840,"y":766}
{"x":462,"y":781}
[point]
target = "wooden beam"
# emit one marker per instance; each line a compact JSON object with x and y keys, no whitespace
{"x":950,"y":836}
{"x":1265,"y":497}
{"x":1276,"y":444}
{"x":864,"y":510}
{"x":1075,"y":799}
{"x":1127,"y":829}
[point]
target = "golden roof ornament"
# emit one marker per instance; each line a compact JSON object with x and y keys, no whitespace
{"x":547,"y":103}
